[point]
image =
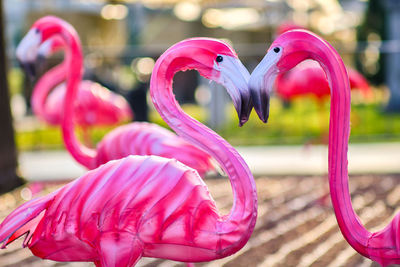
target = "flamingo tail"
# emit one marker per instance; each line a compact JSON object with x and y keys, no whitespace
{"x":23,"y":220}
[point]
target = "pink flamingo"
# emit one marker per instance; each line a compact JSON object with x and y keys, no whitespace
{"x":146,"y":206}
{"x":95,"y":104}
{"x":130,"y":139}
{"x":309,"y":79}
{"x":286,"y":51}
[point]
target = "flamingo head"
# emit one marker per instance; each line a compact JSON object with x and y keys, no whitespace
{"x":217,"y":61}
{"x":29,"y":48}
{"x":49,"y":47}
{"x":288,"y":50}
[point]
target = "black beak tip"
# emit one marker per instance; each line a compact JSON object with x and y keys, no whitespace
{"x":244,"y":110}
{"x":243,"y":118}
{"x":264,"y":107}
{"x":262,"y":111}
{"x":242,"y":121}
{"x":265,"y":115}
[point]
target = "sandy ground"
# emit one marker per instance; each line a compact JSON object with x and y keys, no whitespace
{"x":295,"y":227}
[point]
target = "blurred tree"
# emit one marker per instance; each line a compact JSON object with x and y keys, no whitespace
{"x":381,"y":22}
{"x":392,"y":74}
{"x":8,"y":152}
{"x":373,"y":27}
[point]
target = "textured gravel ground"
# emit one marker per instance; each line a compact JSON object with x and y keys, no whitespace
{"x":295,"y":226}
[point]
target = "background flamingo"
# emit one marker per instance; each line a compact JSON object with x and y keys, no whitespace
{"x":147,"y":206}
{"x":286,"y":51}
{"x":94,"y":105}
{"x":309,"y":79}
{"x":131,"y":139}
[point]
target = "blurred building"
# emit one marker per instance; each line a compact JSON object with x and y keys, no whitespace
{"x":122,"y":39}
{"x":150,"y":26}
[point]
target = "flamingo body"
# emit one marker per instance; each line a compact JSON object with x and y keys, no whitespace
{"x":358,"y":81}
{"x":142,"y":138}
{"x":146,"y":205}
{"x":95,"y":105}
{"x":309,"y":79}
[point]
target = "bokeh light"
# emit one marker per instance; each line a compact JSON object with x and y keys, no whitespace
{"x":230,"y":18}
{"x":26,"y":194}
{"x":143,"y":66}
{"x":117,"y":12}
{"x":187,"y":11}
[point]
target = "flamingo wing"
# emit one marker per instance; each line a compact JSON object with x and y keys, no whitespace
{"x":98,"y":105}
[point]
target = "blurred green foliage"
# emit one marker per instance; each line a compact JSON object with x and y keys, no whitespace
{"x":304,"y":121}
{"x":307,"y":122}
{"x":50,"y":137}
{"x":15,"y":80}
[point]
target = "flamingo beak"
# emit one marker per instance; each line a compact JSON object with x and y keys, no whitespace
{"x":243,"y":106}
{"x":245,"y":109}
{"x":41,"y":62}
{"x":235,"y":77}
{"x":27,"y":51}
{"x":261,"y":83}
{"x":43,"y":53}
{"x":241,"y":101}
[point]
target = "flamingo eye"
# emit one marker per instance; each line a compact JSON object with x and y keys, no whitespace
{"x":219,"y":59}
{"x":277,"y":49}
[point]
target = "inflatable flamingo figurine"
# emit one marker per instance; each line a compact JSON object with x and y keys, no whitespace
{"x":147,"y":206}
{"x":94,"y":105}
{"x":286,"y":51}
{"x":131,"y":139}
{"x":308,"y":78}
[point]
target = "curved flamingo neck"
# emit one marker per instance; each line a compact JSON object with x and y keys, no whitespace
{"x":74,"y":61}
{"x":380,"y":246}
{"x":242,"y":217}
{"x":46,"y":83}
